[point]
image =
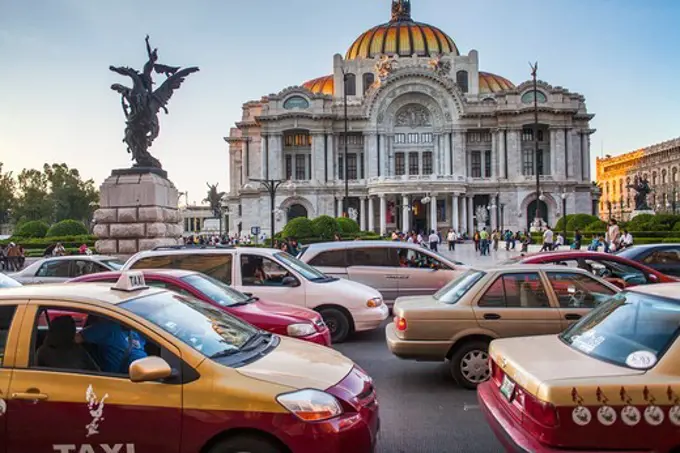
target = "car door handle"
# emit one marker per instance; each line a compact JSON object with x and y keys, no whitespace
{"x":492,"y":316}
{"x":393,"y":277}
{"x":572,"y":317}
{"x":29,"y":396}
{"x":404,"y":277}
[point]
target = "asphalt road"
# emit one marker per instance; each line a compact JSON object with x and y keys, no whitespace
{"x":422,"y":410}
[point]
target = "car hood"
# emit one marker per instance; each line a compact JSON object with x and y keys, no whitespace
{"x":299,"y":364}
{"x":273,"y":311}
{"x":539,"y":364}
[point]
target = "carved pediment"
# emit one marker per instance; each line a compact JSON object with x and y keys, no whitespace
{"x":413,"y":116}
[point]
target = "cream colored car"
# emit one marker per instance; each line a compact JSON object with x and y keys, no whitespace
{"x":461,"y":319}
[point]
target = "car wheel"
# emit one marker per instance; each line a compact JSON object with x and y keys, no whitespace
{"x":470,"y":364}
{"x":245,"y":444}
{"x":337,"y":323}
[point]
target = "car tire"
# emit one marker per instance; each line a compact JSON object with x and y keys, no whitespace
{"x":470,"y":364}
{"x":245,"y":444}
{"x":337,"y":324}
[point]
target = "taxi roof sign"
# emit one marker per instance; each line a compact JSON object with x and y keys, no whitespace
{"x":130,"y":281}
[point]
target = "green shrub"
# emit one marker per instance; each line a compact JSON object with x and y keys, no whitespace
{"x":33,"y":229}
{"x":663,"y":222}
{"x":579,"y":221}
{"x":324,"y":227}
{"x":667,"y":240}
{"x":347,"y":225}
{"x":298,"y":227}
{"x":67,"y":228}
{"x":639,"y":222}
{"x":596,"y":227}
{"x":43,"y":243}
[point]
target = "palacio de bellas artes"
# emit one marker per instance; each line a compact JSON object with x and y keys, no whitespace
{"x":426,"y":138}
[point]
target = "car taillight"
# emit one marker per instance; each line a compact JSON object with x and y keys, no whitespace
{"x":496,"y":372}
{"x":400,"y":323}
{"x":539,"y":411}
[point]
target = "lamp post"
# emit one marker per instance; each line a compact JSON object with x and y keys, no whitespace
{"x":272,"y":185}
{"x":534,"y":72}
{"x":609,"y":208}
{"x":345,"y":204}
{"x":564,"y":214}
{"x":502,"y":217}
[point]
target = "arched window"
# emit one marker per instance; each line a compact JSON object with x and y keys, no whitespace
{"x":528,"y":97}
{"x":675,"y":174}
{"x":296,"y":102}
{"x":462,"y":80}
{"x":350,"y":84}
{"x":654,"y":178}
{"x":369,"y":78}
{"x":663,"y":176}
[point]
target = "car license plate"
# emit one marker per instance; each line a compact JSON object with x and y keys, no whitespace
{"x":508,"y":388}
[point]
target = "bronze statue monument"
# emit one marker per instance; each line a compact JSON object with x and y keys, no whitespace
{"x":141,"y":104}
{"x":215,"y":199}
{"x":642,"y":189}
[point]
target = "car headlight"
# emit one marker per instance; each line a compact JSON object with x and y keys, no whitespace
{"x":374,"y":303}
{"x":301,"y":330}
{"x":310,"y":405}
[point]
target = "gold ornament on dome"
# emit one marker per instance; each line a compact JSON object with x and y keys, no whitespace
{"x":401,"y":10}
{"x":441,"y":67}
{"x":384,"y":67}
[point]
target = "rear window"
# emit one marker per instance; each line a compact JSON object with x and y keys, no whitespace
{"x":632,"y":330}
{"x":451,"y":293}
{"x":218,"y":266}
{"x":330,"y":258}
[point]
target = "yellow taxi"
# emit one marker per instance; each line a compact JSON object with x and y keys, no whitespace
{"x":91,"y":368}
{"x":610,"y":383}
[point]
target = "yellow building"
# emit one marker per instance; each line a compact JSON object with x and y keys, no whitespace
{"x":658,"y":164}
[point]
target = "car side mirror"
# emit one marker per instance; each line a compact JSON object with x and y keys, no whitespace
{"x":248,"y":294}
{"x":290,"y":282}
{"x":149,"y":369}
{"x":653,"y":278}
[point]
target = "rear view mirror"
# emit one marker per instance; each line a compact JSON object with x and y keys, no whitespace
{"x":149,"y":369}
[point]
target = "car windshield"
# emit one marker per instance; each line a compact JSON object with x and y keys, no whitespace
{"x":451,"y":293}
{"x":205,"y":328}
{"x":217,"y":291}
{"x":114,"y":264}
{"x":7,"y":282}
{"x":631,"y":329}
{"x":301,"y":268}
{"x":629,"y":252}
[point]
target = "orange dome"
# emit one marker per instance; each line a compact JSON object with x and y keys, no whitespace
{"x":492,"y":83}
{"x":402,"y":36}
{"x":322,"y":85}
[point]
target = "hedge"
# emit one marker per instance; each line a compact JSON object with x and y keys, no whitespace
{"x":32,"y":229}
{"x":348,"y":226}
{"x":43,"y":243}
{"x":67,"y":228}
{"x":324,"y":227}
{"x":298,"y":227}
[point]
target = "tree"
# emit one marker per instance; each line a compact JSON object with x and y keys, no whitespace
{"x":7,"y":198}
{"x":72,"y":198}
{"x":33,"y":202}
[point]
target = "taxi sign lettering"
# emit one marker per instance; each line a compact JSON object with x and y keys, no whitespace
{"x":90,"y":448}
{"x":130,"y":281}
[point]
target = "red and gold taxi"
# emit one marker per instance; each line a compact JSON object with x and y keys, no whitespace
{"x":155,"y":371}
{"x":611,"y":382}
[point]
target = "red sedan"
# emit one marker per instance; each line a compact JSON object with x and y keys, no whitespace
{"x":616,"y":269}
{"x":281,"y":319}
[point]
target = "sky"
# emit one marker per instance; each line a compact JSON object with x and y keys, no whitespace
{"x":56,"y":104}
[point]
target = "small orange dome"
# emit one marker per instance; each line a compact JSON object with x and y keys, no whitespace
{"x":322,"y":85}
{"x":492,"y":83}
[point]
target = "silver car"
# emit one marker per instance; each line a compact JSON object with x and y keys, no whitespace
{"x":396,"y":269}
{"x":62,"y":268}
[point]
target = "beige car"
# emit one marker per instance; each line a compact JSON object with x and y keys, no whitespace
{"x":396,"y":269}
{"x":460,"y":320}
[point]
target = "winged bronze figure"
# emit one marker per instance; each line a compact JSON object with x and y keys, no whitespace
{"x":141,"y":104}
{"x":215,"y":199}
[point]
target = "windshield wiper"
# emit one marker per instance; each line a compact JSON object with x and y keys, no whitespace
{"x":255,"y":340}
{"x":225,"y":353}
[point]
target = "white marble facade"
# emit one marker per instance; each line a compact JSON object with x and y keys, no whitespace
{"x":430,"y":138}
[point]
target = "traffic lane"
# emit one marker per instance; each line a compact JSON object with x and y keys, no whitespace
{"x":421,"y":407}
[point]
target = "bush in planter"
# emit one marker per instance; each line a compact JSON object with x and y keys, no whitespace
{"x":596,"y":227}
{"x":67,"y":228}
{"x":579,"y":221}
{"x":33,"y":229}
{"x":667,"y":240}
{"x":639,"y":222}
{"x":348,"y":226}
{"x":325,"y":227}
{"x":663,"y":222}
{"x":299,"y":227}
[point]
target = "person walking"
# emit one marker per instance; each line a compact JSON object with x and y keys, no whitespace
{"x":547,"y":240}
{"x":434,"y":240}
{"x":484,"y":242}
{"x":476,"y":239}
{"x":578,"y":239}
{"x":612,"y":237}
{"x":451,"y":239}
{"x":495,"y":237}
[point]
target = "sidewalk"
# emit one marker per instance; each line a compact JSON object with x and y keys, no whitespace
{"x":466,"y":254}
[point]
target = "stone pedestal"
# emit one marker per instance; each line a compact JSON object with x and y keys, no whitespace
{"x":637,"y":213}
{"x":138,"y":211}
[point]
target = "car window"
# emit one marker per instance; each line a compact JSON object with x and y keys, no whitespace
{"x":668,"y":256}
{"x":168,"y":286}
{"x":631,"y":329}
{"x":216,"y":265}
{"x":80,"y":341}
{"x":304,"y":269}
{"x":419,"y":260}
{"x":372,"y":257}
{"x":522,"y":290}
{"x":54,"y":268}
{"x":218,"y":292}
{"x":458,"y":287}
{"x":6,"y":316}
{"x":86,"y":267}
{"x":261,"y":271}
{"x":577,"y":290}
{"x":114,"y":264}
{"x":330,"y":258}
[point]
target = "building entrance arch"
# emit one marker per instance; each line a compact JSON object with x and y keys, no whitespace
{"x":297,"y":210}
{"x":531,"y":212}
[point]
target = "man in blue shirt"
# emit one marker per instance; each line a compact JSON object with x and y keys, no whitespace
{"x":117,"y":347}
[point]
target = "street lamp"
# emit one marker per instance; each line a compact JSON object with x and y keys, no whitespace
{"x":534,"y":72}
{"x":564,"y":214}
{"x":272,"y":185}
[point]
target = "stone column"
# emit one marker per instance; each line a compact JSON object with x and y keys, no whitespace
{"x":317,"y":157}
{"x":384,"y":157}
{"x":459,"y":151}
{"x":436,"y":158}
{"x":514,"y":153}
{"x":585,"y":157}
{"x":405,"y":214}
{"x":371,"y":215}
{"x":560,"y":155}
{"x":244,"y":163}
{"x":494,"y":155}
{"x":372,"y":140}
{"x":464,"y":221}
{"x":553,"y":153}
{"x":501,"y":155}
{"x":389,"y":146}
{"x":454,"y":212}
{"x":492,"y":212}
{"x":471,"y":214}
{"x":340,"y":206}
{"x":433,"y":213}
{"x":446,"y":170}
{"x":276,"y":156}
{"x":264,"y":146}
{"x":383,"y":215}
{"x":362,"y":214}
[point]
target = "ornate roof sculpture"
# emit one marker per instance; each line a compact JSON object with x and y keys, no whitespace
{"x":402,"y":36}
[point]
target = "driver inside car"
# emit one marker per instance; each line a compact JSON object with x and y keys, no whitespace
{"x":117,"y":347}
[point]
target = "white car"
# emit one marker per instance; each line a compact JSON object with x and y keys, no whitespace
{"x":60,"y":269}
{"x":8,"y":282}
{"x":274,"y":275}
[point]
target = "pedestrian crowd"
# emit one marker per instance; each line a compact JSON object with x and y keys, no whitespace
{"x":12,"y":257}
